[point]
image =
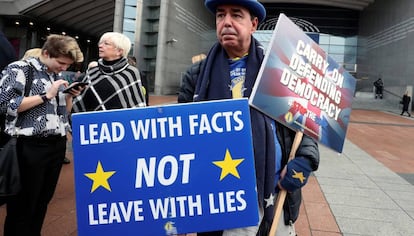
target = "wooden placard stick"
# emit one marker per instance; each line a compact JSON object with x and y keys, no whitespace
{"x":281,"y":196}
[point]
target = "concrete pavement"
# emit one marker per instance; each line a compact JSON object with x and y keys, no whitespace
{"x":368,"y":189}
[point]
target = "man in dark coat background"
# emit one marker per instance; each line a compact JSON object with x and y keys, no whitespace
{"x":7,"y":53}
{"x":406,"y":99}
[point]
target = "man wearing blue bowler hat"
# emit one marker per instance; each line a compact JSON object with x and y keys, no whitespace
{"x":230,"y":71}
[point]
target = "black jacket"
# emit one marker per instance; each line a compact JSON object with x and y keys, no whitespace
{"x":406,"y":101}
{"x":7,"y":52}
{"x":308,"y":148}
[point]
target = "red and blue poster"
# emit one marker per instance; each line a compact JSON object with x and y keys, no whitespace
{"x":303,"y":87}
{"x":165,"y":170}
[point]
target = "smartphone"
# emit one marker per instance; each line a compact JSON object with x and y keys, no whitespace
{"x":75,"y":85}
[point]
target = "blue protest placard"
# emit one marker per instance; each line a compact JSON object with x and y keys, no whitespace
{"x":165,"y":170}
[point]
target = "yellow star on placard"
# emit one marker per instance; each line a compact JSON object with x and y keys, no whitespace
{"x":298,"y":175}
{"x":228,"y":165}
{"x":100,"y":178}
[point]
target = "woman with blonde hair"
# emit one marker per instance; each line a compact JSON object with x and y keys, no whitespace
{"x":114,"y":83}
{"x":33,"y":52}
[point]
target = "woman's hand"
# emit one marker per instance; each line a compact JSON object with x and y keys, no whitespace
{"x":73,"y":92}
{"x":54,"y":89}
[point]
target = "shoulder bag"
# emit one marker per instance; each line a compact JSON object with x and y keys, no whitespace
{"x":9,"y":165}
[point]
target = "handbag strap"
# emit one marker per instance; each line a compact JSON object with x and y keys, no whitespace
{"x":29,"y":79}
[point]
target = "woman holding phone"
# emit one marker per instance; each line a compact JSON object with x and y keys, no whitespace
{"x":37,"y":114}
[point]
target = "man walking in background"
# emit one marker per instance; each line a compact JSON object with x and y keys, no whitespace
{"x":406,"y":99}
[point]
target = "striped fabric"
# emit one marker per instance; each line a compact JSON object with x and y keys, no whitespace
{"x":111,"y":87}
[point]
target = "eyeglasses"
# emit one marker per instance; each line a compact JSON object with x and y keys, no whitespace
{"x":106,"y":43}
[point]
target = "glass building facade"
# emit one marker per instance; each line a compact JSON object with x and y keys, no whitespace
{"x":370,"y":42}
{"x":342,"y":49}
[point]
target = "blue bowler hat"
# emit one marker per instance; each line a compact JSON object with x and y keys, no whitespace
{"x":255,"y":7}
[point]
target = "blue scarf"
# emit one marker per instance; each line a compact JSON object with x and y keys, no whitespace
{"x":219,"y":77}
{"x":213,"y":84}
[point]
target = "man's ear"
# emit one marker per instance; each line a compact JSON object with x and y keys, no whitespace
{"x":255,"y":23}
